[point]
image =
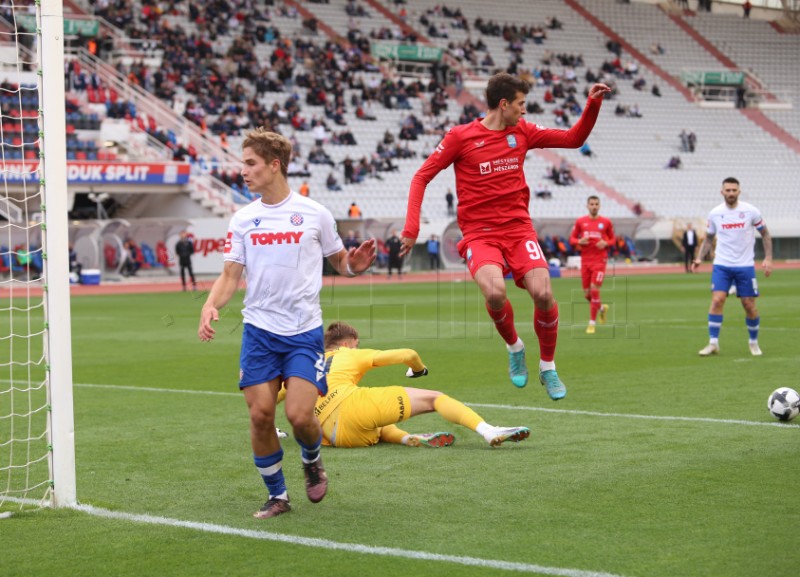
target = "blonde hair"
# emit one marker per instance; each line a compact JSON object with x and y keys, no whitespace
{"x":269,"y":146}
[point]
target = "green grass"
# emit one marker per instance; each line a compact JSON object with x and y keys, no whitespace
{"x":594,"y":489}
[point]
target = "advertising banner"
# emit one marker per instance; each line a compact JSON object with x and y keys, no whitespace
{"x":91,"y":172}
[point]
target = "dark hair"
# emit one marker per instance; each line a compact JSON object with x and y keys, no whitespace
{"x":337,"y":333}
{"x":731,"y":180}
{"x":593,"y":197}
{"x":269,"y":146}
{"x":504,"y":86}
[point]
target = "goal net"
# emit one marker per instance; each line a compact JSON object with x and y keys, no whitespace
{"x":37,"y":456}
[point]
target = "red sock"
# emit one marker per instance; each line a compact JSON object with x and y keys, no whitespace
{"x":504,"y":322}
{"x":545,"y":324}
{"x":594,"y":304}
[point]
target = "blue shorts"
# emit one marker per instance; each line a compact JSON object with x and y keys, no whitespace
{"x":744,"y":277}
{"x":266,"y":356}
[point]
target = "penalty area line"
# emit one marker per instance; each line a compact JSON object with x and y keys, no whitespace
{"x":336,"y":546}
{"x":491,"y":406}
{"x":635,"y":416}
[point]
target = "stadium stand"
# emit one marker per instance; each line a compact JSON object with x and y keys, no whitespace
{"x":194,"y":77}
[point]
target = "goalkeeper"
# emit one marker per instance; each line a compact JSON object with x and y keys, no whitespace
{"x":352,"y":416}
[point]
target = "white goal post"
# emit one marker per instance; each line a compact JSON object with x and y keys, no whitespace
{"x":37,"y":445}
{"x":55,"y":235}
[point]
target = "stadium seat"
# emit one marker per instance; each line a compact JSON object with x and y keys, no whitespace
{"x":150,"y":256}
{"x":12,"y":259}
{"x":36,"y":259}
{"x":5,"y":260}
{"x":162,"y":255}
{"x":110,"y":254}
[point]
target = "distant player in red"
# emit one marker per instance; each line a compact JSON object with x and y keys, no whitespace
{"x":494,"y":213}
{"x":592,"y":235}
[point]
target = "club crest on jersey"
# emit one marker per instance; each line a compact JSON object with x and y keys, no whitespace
{"x":296,"y":219}
{"x":600,"y":226}
{"x":512,"y":141}
{"x":256,"y":221}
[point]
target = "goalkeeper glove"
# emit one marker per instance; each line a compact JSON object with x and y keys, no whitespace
{"x":412,"y":374}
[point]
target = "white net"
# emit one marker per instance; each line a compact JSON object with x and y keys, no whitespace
{"x":26,"y":476}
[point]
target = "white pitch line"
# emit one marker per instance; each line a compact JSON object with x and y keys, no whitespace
{"x":635,"y":416}
{"x":337,"y":546}
{"x":489,"y":406}
{"x":158,"y":390}
{"x":326,"y":543}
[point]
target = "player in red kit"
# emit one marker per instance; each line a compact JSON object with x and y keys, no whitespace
{"x":494,"y":214}
{"x":592,"y":235}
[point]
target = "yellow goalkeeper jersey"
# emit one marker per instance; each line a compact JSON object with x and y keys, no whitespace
{"x":346,"y":367}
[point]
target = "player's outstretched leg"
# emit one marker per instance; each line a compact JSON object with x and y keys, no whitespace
{"x":499,"y":435}
{"x":436,"y":440}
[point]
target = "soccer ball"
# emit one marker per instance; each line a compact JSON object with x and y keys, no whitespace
{"x":784,"y":404}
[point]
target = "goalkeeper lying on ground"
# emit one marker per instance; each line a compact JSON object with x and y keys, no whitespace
{"x":352,"y":416}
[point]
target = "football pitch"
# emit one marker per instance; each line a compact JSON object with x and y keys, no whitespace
{"x":658,"y":463}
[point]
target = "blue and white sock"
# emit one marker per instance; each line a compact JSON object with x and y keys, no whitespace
{"x":714,"y":326}
{"x":271,"y":470}
{"x":309,"y":453}
{"x":752,"y":328}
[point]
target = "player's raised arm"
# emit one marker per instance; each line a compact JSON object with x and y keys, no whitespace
{"x":408,"y":357}
{"x":598,"y":90}
{"x":446,"y":151}
{"x":579,"y":132}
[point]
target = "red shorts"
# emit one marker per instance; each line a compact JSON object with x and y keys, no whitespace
{"x":517,"y":252}
{"x":593,"y":273}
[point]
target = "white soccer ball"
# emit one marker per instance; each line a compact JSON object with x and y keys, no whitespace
{"x":784,"y":404}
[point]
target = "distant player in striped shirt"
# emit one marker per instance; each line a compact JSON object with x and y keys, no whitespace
{"x":494,"y":213}
{"x":591,"y":236}
{"x":734,"y":223}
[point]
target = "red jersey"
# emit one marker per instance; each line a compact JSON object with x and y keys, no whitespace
{"x":490,"y":183}
{"x":595,"y":229}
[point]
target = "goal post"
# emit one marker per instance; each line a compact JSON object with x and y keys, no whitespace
{"x":55,"y":243}
{"x":37,"y":444}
